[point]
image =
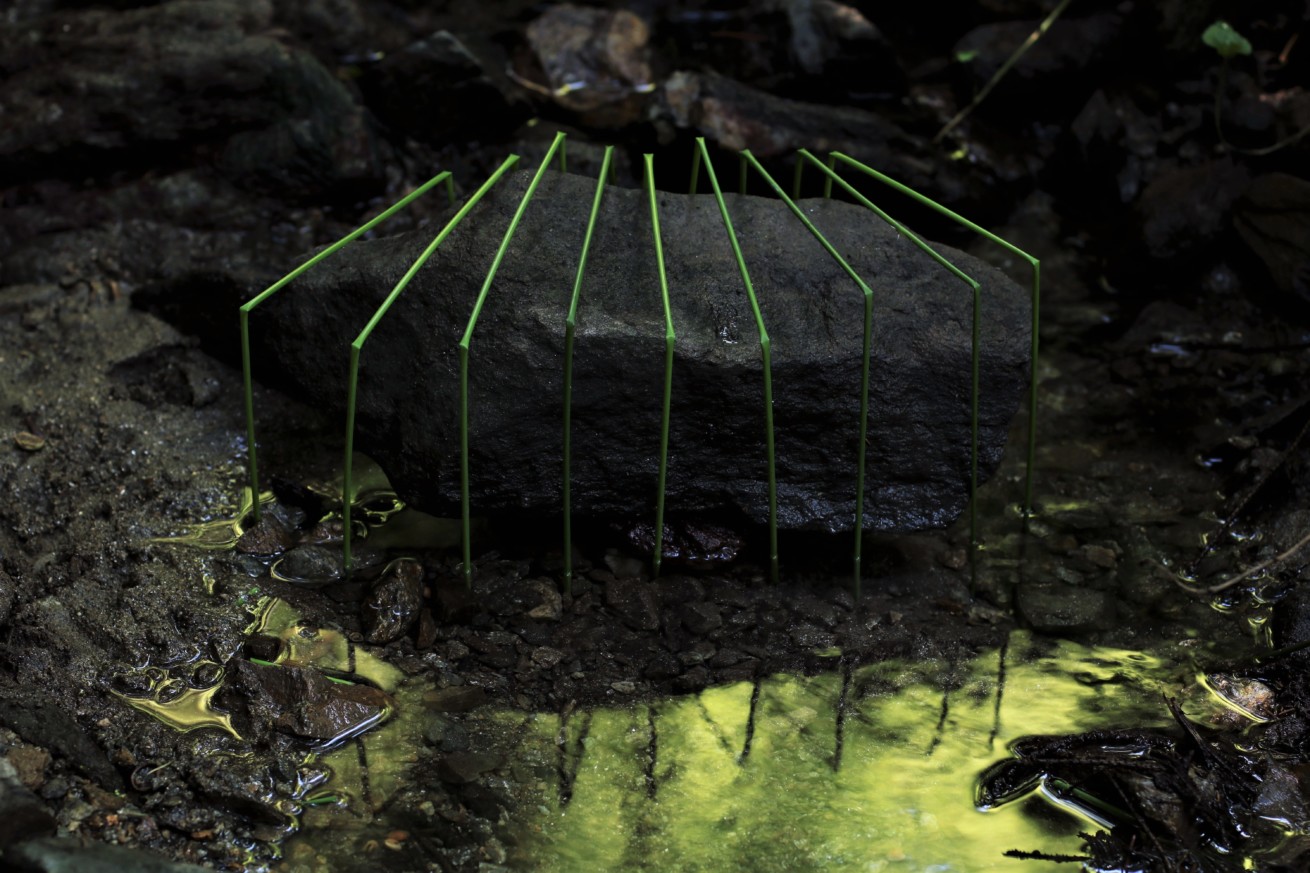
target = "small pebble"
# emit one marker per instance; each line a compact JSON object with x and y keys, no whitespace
{"x":1101,"y":556}
{"x":954,"y":559}
{"x":29,"y":442}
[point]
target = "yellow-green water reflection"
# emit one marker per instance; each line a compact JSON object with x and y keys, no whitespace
{"x":914,"y":738}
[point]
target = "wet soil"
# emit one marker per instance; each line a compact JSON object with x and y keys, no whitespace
{"x":1174,"y":381}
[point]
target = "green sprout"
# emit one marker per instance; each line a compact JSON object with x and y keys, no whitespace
{"x":1221,"y":37}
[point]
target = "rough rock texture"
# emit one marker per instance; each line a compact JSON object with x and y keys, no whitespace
{"x":1274,"y":220}
{"x":148,"y":84}
{"x":140,"y":143}
{"x":408,"y":410}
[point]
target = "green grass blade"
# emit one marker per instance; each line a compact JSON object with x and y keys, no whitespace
{"x":348,"y":463}
{"x":976,"y":290}
{"x":247,"y":377}
{"x":867,"y":293}
{"x":465,"y":513}
{"x":252,"y":462}
{"x":1036,"y":301}
{"x":669,"y":338}
{"x":765,"y":354}
{"x":570,"y":326}
{"x":357,"y":346}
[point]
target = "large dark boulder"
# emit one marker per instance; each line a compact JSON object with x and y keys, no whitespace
{"x":918,"y":447}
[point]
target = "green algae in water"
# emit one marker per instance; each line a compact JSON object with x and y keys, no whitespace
{"x":914,"y":737}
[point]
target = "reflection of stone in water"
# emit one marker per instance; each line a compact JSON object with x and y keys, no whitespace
{"x":912,"y":737}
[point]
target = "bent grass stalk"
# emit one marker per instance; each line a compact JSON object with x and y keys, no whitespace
{"x":746,"y":160}
{"x":669,"y":338}
{"x":976,"y":290}
{"x":765,"y":355}
{"x":570,"y":327}
{"x":1036,"y":300}
{"x":249,"y":306}
{"x":467,"y":339}
{"x":356,"y":347}
{"x":867,"y":292}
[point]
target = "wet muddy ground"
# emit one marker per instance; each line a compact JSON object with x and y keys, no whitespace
{"x":176,"y":696}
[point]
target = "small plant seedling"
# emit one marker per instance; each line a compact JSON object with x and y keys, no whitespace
{"x":1221,"y":37}
{"x":1228,"y":43}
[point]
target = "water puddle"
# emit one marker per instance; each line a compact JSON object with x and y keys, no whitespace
{"x":858,"y":770}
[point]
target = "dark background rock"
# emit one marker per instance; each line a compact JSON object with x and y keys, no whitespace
{"x":407,"y":419}
{"x":145,"y":86}
{"x":1274,"y":220}
{"x":1067,"y":57}
{"x":54,"y":855}
{"x":435,"y":85}
{"x":22,"y":814}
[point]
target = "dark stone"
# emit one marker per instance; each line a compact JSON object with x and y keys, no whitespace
{"x":434,"y":86}
{"x":48,"y":726}
{"x":455,"y":739}
{"x":661,"y":664}
{"x":807,"y":636}
{"x":427,"y":630}
{"x":1184,"y":210}
{"x":461,"y":767}
{"x":746,"y":671}
{"x":7,"y":593}
{"x":1291,"y":625}
{"x":694,"y":680}
{"x":393,"y":604}
{"x":22,"y":814}
{"x":490,"y":804}
{"x":594,"y":62}
{"x":56,"y":855}
{"x":634,"y":602}
{"x":674,"y":590}
{"x":816,"y":610}
{"x":496,"y":649}
{"x":725,"y":658}
{"x":455,"y":602}
{"x":738,"y":117}
{"x":837,"y":44}
{"x":311,"y":565}
{"x":690,"y":544}
{"x":918,"y":468}
{"x":80,"y":86}
{"x":531,"y":632}
{"x":1065,"y":57}
{"x":456,"y":698}
{"x":1064,"y":609}
{"x":1274,"y":220}
{"x":268,"y":536}
{"x":304,"y":702}
{"x":697,"y":653}
{"x":701,"y":617}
